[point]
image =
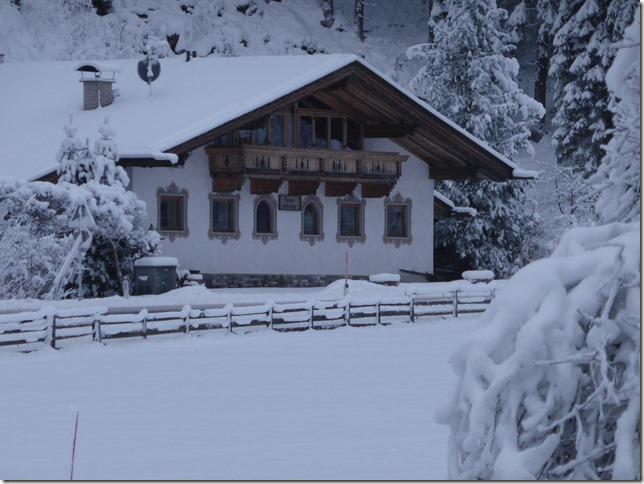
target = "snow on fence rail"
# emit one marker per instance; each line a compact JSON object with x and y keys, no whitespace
{"x":27,"y":331}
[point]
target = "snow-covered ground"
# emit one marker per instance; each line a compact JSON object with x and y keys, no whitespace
{"x":353,"y":403}
{"x":199,"y":296}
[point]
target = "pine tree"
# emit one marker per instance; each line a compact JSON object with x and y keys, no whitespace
{"x":583,"y":51}
{"x":470,"y":77}
{"x":121,"y":235}
{"x":618,"y":176}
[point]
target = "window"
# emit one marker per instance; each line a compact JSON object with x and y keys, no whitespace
{"x":326,"y":129}
{"x":310,"y":220}
{"x":354,"y":135}
{"x":351,"y":220}
{"x":223,"y":215}
{"x":265,"y":226}
{"x":397,"y":221}
{"x":306,"y":131}
{"x":321,"y":132}
{"x":171,"y":213}
{"x":337,"y":134}
{"x":276,"y":129}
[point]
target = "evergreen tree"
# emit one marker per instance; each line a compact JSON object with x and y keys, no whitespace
{"x":618,"y":176}
{"x":583,"y":51}
{"x":121,"y":235}
{"x":470,"y":77}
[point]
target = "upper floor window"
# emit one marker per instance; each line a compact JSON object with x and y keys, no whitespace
{"x":327,"y":130}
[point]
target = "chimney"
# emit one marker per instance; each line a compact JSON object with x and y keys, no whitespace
{"x":97,"y":82}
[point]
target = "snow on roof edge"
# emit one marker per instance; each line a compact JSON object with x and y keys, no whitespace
{"x":461,"y":210}
{"x":525,"y":174}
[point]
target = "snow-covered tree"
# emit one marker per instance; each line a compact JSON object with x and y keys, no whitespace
{"x":328,"y":12}
{"x":121,"y":235}
{"x":549,"y":385}
{"x":618,"y":176}
{"x":583,"y":51}
{"x":34,"y":238}
{"x":470,"y":77}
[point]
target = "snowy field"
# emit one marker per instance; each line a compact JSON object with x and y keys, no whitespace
{"x":353,"y":403}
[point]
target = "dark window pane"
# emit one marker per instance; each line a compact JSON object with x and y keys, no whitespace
{"x":260,"y":135}
{"x":171,"y":213}
{"x":263,"y":218}
{"x":350,"y":221}
{"x":354,"y":140}
{"x":337,"y":134}
{"x":245,"y":136}
{"x":224,"y":140}
{"x":396,"y":221}
{"x":276,"y":125}
{"x":306,"y":131}
{"x":310,"y":222}
{"x":321,"y":132}
{"x":222,"y":216}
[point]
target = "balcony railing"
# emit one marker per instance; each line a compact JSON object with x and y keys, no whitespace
{"x":272,"y":160}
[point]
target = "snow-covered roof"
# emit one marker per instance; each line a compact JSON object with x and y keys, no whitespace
{"x":468,"y":211}
{"x":188,"y":99}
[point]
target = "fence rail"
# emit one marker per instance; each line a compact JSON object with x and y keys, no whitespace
{"x":28,"y":331}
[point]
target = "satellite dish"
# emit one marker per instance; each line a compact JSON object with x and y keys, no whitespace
{"x":149,"y":70}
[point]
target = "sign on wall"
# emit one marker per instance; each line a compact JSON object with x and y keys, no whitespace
{"x":287,"y":202}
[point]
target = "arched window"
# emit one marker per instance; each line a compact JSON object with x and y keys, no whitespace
{"x":311,"y":220}
{"x":264,"y":223}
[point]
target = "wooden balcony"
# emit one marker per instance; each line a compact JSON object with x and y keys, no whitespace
{"x":302,"y":163}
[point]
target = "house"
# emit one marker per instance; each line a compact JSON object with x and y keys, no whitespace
{"x":258,"y":170}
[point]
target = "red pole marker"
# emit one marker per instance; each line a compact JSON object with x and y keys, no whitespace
{"x":71,"y":476}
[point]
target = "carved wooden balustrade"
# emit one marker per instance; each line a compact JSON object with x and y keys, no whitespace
{"x":305,"y":163}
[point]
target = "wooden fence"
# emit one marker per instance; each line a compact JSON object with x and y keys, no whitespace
{"x":27,"y":331}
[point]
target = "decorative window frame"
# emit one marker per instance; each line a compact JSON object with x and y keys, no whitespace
{"x":351,"y":239}
{"x":272,"y":203}
{"x":224,"y":236}
{"x":398,"y":199}
{"x":173,"y":190}
{"x":312,"y":238}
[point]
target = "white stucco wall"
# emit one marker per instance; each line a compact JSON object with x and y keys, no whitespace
{"x":288,"y":254}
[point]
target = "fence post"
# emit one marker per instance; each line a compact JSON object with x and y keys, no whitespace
{"x":144,"y":323}
{"x":187,"y":309}
{"x":412,"y":316}
{"x":455,"y":308}
{"x":230,"y":318}
{"x":311,"y":316}
{"x":347,"y":313}
{"x":97,"y":327}
{"x":378,"y":311}
{"x":53,"y":330}
{"x":270,"y":315}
